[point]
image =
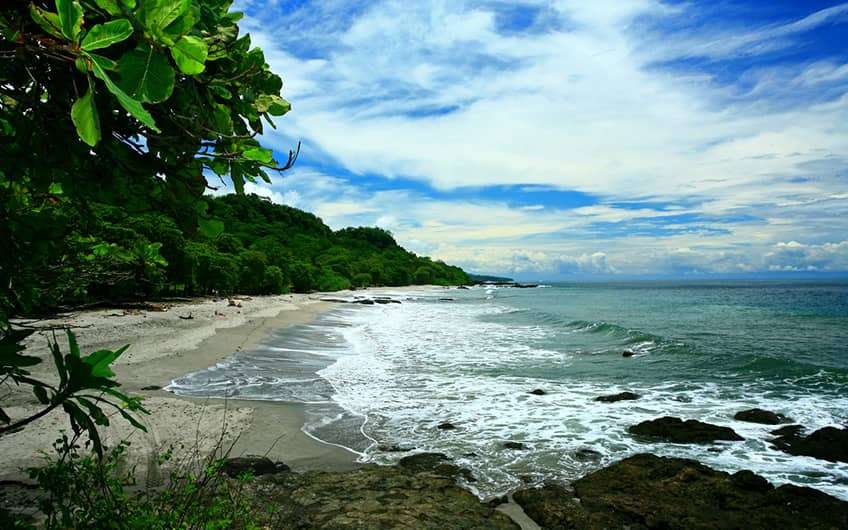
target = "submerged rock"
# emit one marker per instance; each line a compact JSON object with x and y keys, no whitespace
{"x":256,"y":465}
{"x":765,"y":417}
{"x":394,"y":449}
{"x":675,"y":430}
{"x":538,"y":392}
{"x":151,"y":387}
{"x":377,"y":497}
{"x":828,"y":443}
{"x":647,"y":491}
{"x":628,"y":353}
{"x":514,"y":445}
{"x":446,"y":426}
{"x":622,"y":396}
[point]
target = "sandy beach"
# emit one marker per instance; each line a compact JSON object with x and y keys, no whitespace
{"x":165,"y":345}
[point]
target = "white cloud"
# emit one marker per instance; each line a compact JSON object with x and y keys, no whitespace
{"x":581,"y":106}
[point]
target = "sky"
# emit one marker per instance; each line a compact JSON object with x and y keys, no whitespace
{"x":570,"y":139}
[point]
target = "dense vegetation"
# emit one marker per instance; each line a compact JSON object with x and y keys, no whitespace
{"x":112,"y":253}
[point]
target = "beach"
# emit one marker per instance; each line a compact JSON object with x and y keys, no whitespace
{"x":165,"y":346}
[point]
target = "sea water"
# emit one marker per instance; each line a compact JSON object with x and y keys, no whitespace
{"x":384,"y":377}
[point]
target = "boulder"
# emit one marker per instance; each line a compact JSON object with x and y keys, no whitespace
{"x":765,"y":417}
{"x":514,"y":445}
{"x":622,"y":396}
{"x":256,"y":465}
{"x":151,"y":387}
{"x":538,"y":392}
{"x":628,"y":353}
{"x":375,"y":497}
{"x":435,"y":463}
{"x":675,"y":430}
{"x":446,"y":426}
{"x":647,"y":491}
{"x":828,"y":443}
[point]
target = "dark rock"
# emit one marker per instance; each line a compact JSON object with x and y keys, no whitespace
{"x":538,"y":392}
{"x":497,"y":501}
{"x":628,"y":353}
{"x":446,"y":426}
{"x":364,"y":302}
{"x":829,"y":443}
{"x":256,"y":465}
{"x":394,"y":449}
{"x":375,"y":497}
{"x":446,"y":299}
{"x":463,"y":287}
{"x":151,"y":387}
{"x":622,"y":396}
{"x":386,"y":301}
{"x":647,"y":491}
{"x":514,"y":445}
{"x":675,"y":430}
{"x":765,"y":417}
{"x":422,"y":461}
{"x":437,"y":463}
{"x":586,"y":454}
{"x":335,"y":300}
{"x":472,"y":454}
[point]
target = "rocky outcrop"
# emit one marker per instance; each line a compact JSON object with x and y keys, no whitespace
{"x":647,"y":491}
{"x":622,"y":396}
{"x":255,"y":465}
{"x":675,"y":430}
{"x":766,"y":417}
{"x":404,"y":496}
{"x":829,"y":443}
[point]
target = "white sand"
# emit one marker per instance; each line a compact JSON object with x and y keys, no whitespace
{"x":163,"y":347}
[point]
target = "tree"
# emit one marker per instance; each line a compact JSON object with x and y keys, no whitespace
{"x":144,"y":98}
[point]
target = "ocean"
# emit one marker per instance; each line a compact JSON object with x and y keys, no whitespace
{"x":381,"y":378}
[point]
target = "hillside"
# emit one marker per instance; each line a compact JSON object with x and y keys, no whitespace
{"x":245,"y":244}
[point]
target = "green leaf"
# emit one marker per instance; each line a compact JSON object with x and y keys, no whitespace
{"x":85,"y":118}
{"x":190,"y":54}
{"x":156,"y":15}
{"x":273,"y":105}
{"x":110,"y":6}
{"x":105,"y":35}
{"x":259,"y":154}
{"x":41,"y":394}
{"x":70,"y":18}
{"x":73,"y":347}
{"x":48,"y":21}
{"x":210,"y":228}
{"x":129,"y":104}
{"x":146,"y":74}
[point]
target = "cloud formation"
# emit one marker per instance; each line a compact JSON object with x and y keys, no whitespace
{"x":696,"y":140}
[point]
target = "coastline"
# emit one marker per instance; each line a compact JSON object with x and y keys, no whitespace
{"x":165,"y":345}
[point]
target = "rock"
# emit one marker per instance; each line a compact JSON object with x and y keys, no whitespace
{"x":538,"y":392}
{"x":765,"y":417}
{"x":151,"y":387}
{"x":386,"y":301}
{"x":514,"y":445}
{"x":446,"y":299}
{"x":587,"y":455}
{"x":394,"y":449}
{"x":628,"y":353}
{"x":463,"y":287}
{"x":828,"y":443}
{"x":436,"y":463}
{"x":647,"y":491}
{"x":675,"y":430}
{"x":364,"y":302}
{"x":376,"y":497}
{"x":257,"y":465}
{"x":446,"y":426}
{"x":622,"y":396}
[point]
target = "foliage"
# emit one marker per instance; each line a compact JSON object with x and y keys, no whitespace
{"x":109,"y":103}
{"x":85,"y":385}
{"x":79,"y":491}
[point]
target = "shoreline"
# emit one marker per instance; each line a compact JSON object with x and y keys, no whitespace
{"x":186,"y":337}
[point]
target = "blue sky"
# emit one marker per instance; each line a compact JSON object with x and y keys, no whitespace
{"x":571,"y":139}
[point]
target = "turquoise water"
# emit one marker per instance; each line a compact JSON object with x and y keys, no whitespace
{"x":389,"y":374}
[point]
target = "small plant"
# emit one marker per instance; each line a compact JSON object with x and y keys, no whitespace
{"x":85,"y":385}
